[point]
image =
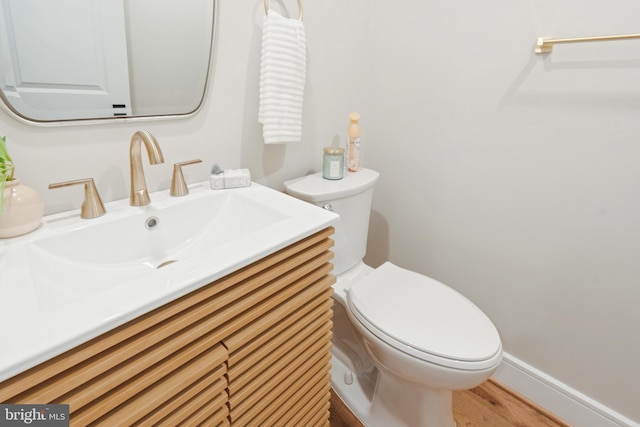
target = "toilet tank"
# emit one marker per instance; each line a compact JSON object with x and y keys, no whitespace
{"x":351,"y":198}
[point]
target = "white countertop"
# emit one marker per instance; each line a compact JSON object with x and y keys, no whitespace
{"x":39,"y":322}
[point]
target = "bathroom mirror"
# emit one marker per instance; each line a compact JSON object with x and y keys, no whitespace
{"x":74,"y":61}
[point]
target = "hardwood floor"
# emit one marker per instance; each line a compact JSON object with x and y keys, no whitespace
{"x":488,"y":405}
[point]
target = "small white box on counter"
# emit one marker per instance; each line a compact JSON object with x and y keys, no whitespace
{"x":231,"y":178}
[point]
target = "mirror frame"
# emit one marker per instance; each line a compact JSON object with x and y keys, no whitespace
{"x":6,"y":105}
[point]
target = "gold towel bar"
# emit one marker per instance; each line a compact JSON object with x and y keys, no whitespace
{"x":266,"y":8}
{"x":545,"y":45}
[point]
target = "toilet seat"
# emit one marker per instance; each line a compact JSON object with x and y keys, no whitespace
{"x":424,"y":318}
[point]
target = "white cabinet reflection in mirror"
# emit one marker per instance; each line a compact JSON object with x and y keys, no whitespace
{"x":66,"y":60}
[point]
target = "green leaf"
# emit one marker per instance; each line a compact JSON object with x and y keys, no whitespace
{"x":6,"y":168}
{"x":6,"y":164}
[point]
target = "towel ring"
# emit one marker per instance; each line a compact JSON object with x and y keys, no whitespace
{"x":266,"y":8}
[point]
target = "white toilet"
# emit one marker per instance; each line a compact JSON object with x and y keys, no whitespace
{"x":402,"y":341}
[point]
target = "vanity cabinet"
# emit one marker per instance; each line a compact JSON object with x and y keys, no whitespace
{"x":252,"y":348}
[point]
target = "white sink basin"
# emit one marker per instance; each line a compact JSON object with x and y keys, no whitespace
{"x":73,"y":279}
{"x":117,"y":248}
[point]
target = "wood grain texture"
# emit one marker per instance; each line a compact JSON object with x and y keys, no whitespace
{"x":491,"y":404}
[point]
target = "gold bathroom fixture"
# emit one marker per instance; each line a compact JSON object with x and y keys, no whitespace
{"x":92,"y":206}
{"x":266,"y":8}
{"x":178,"y":184}
{"x":545,"y":44}
{"x":139,"y":195}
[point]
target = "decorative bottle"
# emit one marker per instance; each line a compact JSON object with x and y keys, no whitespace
{"x":353,"y":131}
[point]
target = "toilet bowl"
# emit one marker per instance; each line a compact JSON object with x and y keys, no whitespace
{"x":402,"y":341}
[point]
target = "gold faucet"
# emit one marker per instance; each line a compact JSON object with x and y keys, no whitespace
{"x":178,"y":184}
{"x":92,"y":206}
{"x":139,"y":194}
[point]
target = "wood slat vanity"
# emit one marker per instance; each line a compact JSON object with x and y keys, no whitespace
{"x":250,"y":349}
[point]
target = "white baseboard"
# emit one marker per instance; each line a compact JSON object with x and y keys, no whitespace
{"x":556,"y":397}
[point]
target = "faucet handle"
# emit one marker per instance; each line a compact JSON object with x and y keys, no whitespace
{"x":178,"y":184}
{"x":92,"y":206}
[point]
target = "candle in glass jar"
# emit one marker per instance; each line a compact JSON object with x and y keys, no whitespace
{"x":333,"y":163}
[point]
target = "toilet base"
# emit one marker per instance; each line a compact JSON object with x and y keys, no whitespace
{"x":401,"y":403}
{"x":382,"y":401}
{"x":356,"y":393}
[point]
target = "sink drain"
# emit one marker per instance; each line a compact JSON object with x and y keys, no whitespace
{"x":151,"y":222}
{"x":164,"y":264}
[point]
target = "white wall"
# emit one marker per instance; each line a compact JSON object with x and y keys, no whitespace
{"x":510,"y":177}
{"x":515,"y":178}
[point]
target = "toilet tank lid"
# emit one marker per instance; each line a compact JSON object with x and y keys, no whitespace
{"x":314,"y":188}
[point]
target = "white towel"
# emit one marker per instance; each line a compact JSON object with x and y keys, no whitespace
{"x":283,"y":70}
